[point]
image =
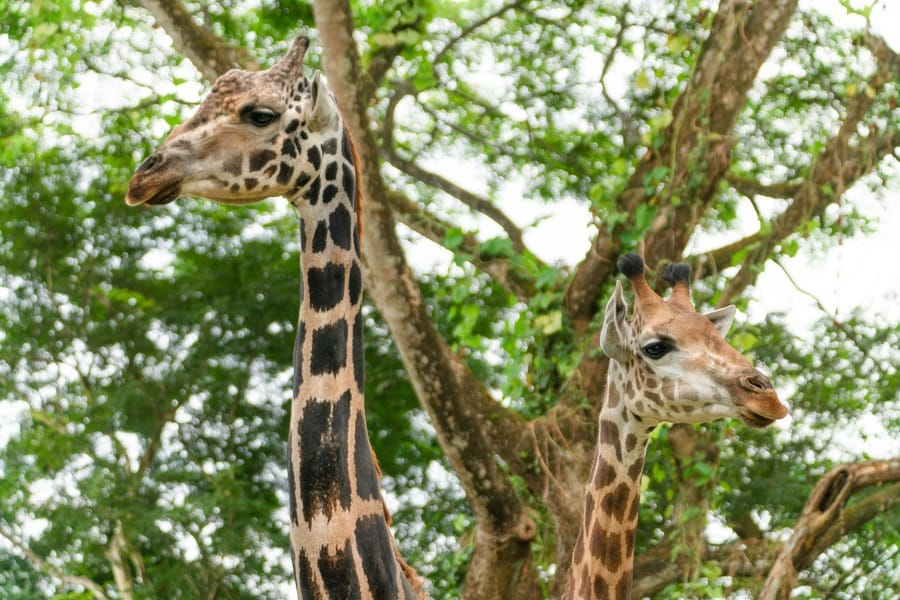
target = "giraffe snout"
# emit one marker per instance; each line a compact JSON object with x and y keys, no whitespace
{"x":157,"y":180}
{"x":758,"y":405}
{"x":149,"y":162}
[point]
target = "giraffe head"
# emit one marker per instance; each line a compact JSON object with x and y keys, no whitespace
{"x":255,"y":135}
{"x":675,"y":361}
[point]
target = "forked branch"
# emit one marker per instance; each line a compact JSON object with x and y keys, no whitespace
{"x":828,"y":515}
{"x":419,"y":173}
{"x":745,"y":35}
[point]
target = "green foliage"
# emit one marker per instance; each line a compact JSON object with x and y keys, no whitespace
{"x":145,"y":354}
{"x":19,"y":579}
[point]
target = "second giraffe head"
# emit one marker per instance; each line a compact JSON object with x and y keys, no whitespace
{"x":676,"y":365}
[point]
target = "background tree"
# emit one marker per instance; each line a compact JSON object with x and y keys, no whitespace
{"x":145,"y":355}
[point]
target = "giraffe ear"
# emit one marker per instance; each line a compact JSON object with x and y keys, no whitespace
{"x":722,"y":318}
{"x":324,"y":112}
{"x":612,"y":336}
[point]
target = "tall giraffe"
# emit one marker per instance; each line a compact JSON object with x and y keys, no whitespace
{"x":667,"y":363}
{"x":276,"y":133}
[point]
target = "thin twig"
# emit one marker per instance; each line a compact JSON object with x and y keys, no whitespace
{"x":472,"y":27}
{"x":46,"y":567}
{"x":831,"y":317}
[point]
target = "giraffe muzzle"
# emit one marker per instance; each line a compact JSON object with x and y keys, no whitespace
{"x":759,"y":405}
{"x":149,"y":162}
{"x":157,"y":180}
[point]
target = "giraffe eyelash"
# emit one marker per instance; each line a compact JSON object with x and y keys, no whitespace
{"x":657,"y":349}
{"x":258,"y":116}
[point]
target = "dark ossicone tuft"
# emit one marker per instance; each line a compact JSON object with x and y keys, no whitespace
{"x":630,"y":265}
{"x":676,"y":272}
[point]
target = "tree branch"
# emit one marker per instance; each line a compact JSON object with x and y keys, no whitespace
{"x":473,"y":26}
{"x":835,"y":169}
{"x":723,"y":257}
{"x":630,"y":133}
{"x":209,"y":53}
{"x":433,"y":228}
{"x":826,"y":517}
{"x":434,"y":180}
{"x":756,"y":557}
{"x":695,"y":152}
{"x":748,"y":186}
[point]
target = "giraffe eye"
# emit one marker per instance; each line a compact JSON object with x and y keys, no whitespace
{"x":658,"y":349}
{"x":258,"y":117}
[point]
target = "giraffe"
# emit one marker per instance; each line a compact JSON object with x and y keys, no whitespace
{"x":667,"y":363}
{"x":277,"y":133}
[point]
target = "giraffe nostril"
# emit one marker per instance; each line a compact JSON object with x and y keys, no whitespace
{"x":149,"y":162}
{"x":756,"y":382}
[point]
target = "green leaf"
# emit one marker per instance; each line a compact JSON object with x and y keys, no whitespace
{"x":453,"y":238}
{"x":677,"y":43}
{"x":642,"y":80}
{"x":42,"y":33}
{"x":497,"y":246}
{"x":549,"y":323}
{"x":661,"y":120}
{"x":644,"y":215}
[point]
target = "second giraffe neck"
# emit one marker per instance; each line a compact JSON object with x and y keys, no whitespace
{"x":603,"y":559}
{"x":340,"y":542}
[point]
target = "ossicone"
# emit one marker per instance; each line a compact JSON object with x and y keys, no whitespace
{"x":630,"y":265}
{"x":675,"y":273}
{"x":678,"y":275}
{"x":290,"y":65}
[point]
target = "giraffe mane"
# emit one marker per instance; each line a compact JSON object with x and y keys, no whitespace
{"x":357,"y":171}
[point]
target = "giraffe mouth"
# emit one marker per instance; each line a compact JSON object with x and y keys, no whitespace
{"x":757,"y":401}
{"x":754,"y":419}
{"x":165,"y":195}
{"x":157,"y":181}
{"x":138,"y":188}
{"x":763,"y":413}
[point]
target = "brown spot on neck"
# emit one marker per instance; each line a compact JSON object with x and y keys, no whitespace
{"x":609,"y":434}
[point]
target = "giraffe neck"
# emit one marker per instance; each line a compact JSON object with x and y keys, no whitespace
{"x":340,"y":543}
{"x":603,"y":558}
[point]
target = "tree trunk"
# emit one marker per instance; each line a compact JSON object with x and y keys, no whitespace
{"x":464,"y":415}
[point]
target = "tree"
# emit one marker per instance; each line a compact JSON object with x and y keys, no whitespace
{"x":147,"y":355}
